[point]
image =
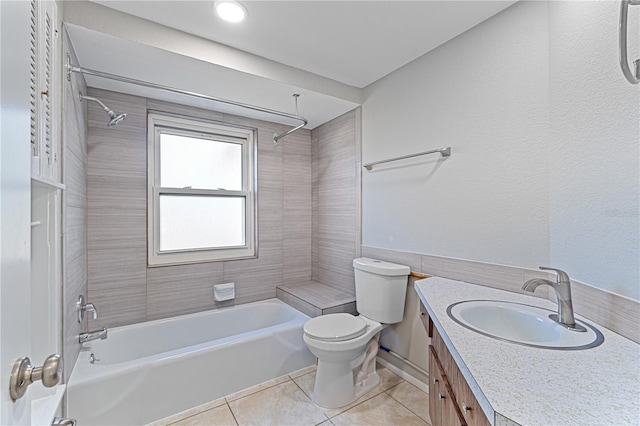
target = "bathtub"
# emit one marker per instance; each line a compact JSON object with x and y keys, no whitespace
{"x":148,"y":371}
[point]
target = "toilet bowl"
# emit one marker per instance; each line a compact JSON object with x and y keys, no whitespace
{"x":346,"y":345}
{"x":346,"y":357}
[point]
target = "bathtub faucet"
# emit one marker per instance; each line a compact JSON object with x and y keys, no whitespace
{"x":88,"y":336}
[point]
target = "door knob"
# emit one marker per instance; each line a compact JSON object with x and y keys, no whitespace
{"x":23,"y":374}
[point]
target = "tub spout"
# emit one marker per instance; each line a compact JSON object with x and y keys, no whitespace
{"x":88,"y":336}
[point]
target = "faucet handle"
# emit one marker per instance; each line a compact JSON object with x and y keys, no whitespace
{"x":90,"y":308}
{"x":562,"y":277}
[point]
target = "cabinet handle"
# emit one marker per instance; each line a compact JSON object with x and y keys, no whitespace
{"x":435,"y":381}
{"x":465,"y":409}
{"x":441,"y":396}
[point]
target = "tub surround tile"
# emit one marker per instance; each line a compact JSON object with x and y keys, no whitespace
{"x":134,"y":106}
{"x":297,"y":303}
{"x":196,"y":289}
{"x":335,"y":210}
{"x":154,"y":105}
{"x":75,"y":238}
{"x":293,"y":407}
{"x":347,"y":308}
{"x":316,"y":299}
{"x":74,"y":209}
{"x":122,"y":305}
{"x":117,"y":206}
{"x":75,"y":180}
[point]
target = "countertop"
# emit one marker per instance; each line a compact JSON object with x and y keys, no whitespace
{"x":531,"y":386}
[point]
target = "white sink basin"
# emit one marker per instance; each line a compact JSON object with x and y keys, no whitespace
{"x":522,"y":324}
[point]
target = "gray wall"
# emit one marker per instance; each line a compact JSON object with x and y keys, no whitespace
{"x":335,"y":151}
{"x":74,"y":244}
{"x":120,"y":284}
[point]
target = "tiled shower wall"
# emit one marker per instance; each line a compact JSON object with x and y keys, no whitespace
{"x":335,"y":153}
{"x":74,"y":244}
{"x":124,"y":290}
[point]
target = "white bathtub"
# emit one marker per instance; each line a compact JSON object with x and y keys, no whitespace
{"x":151,"y":370}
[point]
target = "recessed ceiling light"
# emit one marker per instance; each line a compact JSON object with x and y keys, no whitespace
{"x":230,"y":11}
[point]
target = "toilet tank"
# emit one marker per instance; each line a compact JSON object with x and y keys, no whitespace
{"x":381,"y":288}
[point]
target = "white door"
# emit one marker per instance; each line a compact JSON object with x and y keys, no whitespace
{"x":15,"y":199}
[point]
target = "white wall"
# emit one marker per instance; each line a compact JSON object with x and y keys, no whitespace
{"x":485,"y":94}
{"x":544,"y":132}
{"x":593,"y":161}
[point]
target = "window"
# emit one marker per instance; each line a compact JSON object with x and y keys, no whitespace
{"x":201,"y":191}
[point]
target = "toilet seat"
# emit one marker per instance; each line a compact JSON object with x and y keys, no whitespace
{"x":335,"y":327}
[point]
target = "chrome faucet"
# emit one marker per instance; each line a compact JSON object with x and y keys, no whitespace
{"x":82,"y":308}
{"x":88,"y":336}
{"x":562,"y":287}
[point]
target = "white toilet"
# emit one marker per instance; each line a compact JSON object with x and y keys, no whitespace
{"x":346,"y":345}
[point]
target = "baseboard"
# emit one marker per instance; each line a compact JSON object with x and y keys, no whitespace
{"x":406,"y":376}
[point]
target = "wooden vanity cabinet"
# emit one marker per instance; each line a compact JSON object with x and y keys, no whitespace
{"x":451,"y":401}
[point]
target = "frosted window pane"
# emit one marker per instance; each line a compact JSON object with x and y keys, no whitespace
{"x":199,"y":163}
{"x":197,"y":222}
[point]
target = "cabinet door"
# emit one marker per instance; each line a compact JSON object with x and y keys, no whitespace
{"x":434,"y":391}
{"x":468,"y":403}
{"x":442,"y":402}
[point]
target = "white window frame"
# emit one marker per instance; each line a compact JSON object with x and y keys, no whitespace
{"x":186,"y":126}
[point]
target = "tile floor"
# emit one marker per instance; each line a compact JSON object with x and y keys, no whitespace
{"x":286,"y":400}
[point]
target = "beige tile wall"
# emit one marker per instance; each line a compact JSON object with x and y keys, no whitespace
{"x":120,"y":284}
{"x":335,"y":152}
{"x":74,"y":239}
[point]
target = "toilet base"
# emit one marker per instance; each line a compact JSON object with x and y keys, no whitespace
{"x":339,"y":384}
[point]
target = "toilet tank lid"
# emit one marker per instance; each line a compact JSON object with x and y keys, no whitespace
{"x":380,"y":267}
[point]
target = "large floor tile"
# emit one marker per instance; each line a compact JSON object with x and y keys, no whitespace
{"x":302,"y":371}
{"x":219,"y":416}
{"x":379,"y":410}
{"x":283,"y":404}
{"x":257,"y":388}
{"x":388,"y":379}
{"x":413,"y":398}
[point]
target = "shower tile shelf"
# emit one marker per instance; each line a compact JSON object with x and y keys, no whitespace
{"x":314,"y":299}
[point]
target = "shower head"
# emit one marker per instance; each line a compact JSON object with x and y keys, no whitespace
{"x":115,"y":118}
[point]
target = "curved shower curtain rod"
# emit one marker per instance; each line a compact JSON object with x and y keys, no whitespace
{"x":276,"y":137}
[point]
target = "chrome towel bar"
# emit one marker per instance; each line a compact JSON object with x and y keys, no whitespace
{"x":445,"y":152}
{"x":632,"y":76}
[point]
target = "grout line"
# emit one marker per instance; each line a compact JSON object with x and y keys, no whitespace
{"x":405,"y":406}
{"x":232,"y":414}
{"x":259,"y":390}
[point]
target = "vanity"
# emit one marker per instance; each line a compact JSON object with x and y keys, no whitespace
{"x":475,"y":379}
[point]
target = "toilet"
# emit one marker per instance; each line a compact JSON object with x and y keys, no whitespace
{"x":346,"y":345}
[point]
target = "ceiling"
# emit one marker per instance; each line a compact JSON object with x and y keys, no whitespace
{"x":349,"y":44}
{"x":354,"y":42}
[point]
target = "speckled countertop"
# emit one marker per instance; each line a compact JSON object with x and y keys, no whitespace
{"x":530,"y":386}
